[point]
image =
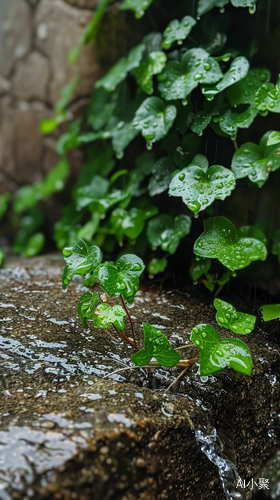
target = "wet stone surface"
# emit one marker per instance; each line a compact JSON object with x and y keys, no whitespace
{"x":68,"y":433}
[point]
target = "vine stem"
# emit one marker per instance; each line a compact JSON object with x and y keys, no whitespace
{"x":130,"y":321}
{"x":235,"y":144}
{"x":126,"y":339}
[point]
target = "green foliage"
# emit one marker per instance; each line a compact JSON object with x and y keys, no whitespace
{"x":102,"y":315}
{"x":2,"y":257}
{"x":157,"y":266}
{"x":138,"y":6}
{"x":34,"y":245}
{"x":216,"y":354}
{"x":177,"y":31}
{"x":165,"y":232}
{"x":220,"y":240}
{"x":199,"y":186}
{"x":270,"y":311}
{"x":156,"y":346}
{"x":80,"y":260}
{"x":145,"y":71}
{"x":228,"y":317}
{"x":4,"y":201}
{"x":154,"y":119}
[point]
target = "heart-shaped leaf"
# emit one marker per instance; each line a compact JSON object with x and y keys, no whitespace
{"x":154,"y":119}
{"x":121,"y":279}
{"x":238,"y":70}
{"x":243,"y":92}
{"x":200,"y":122}
{"x":82,"y":260}
{"x":268,"y":97}
{"x":162,"y":175}
{"x":122,"y":136}
{"x":138,"y":6}
{"x":177,"y":31}
{"x":274,"y":138}
{"x":157,"y":266}
{"x":199,"y":189}
{"x":256,"y":162}
{"x":254,"y":231}
{"x":156,"y":346}
{"x":165,"y":232}
{"x":237,"y":322}
{"x":220,"y":240}
{"x":199,"y":267}
{"x":270,"y":311}
{"x":145,"y":71}
{"x":179,"y":79}
{"x":105,"y":315}
{"x":233,"y":119}
{"x":216,"y":354}
{"x":130,"y":223}
{"x":86,"y":307}
{"x":118,"y":72}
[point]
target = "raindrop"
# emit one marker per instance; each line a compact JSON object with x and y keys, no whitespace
{"x":149,"y":146}
{"x":119,"y":155}
{"x":181,"y":177}
{"x":184,"y":102}
{"x":252,"y":9}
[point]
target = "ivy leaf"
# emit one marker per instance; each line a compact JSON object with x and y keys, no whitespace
{"x":179,"y":79}
{"x":156,"y":346}
{"x":121,"y":278}
{"x":154,"y":119}
{"x":129,"y":223}
{"x":145,"y":71}
{"x":122,"y":136}
{"x":256,"y":162}
{"x":118,"y":72}
{"x":200,"y":122}
{"x":165,"y":232}
{"x":34,"y":245}
{"x":101,"y":108}
{"x":86,"y":307}
{"x":243,"y":92}
{"x":206,"y":5}
{"x":233,"y":119}
{"x":216,"y":354}
{"x":244,"y":3}
{"x":105,"y":315}
{"x":162,"y":175}
{"x":138,"y":6}
{"x":220,"y":241}
{"x":268,"y":97}
{"x":83,"y":260}
{"x":199,"y":189}
{"x":238,"y":70}
{"x":157,"y":266}
{"x":274,"y":138}
{"x":177,"y":31}
{"x":94,"y":191}
{"x":200,"y":267}
{"x":270,"y":311}
{"x":237,"y":322}
{"x":254,"y":231}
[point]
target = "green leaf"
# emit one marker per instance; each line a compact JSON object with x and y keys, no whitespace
{"x":34,"y":245}
{"x":48,"y":125}
{"x":83,"y":260}
{"x":254,"y":231}
{"x":273,"y":138}
{"x":145,"y":71}
{"x":106,"y":315}
{"x":200,"y":267}
{"x":221,"y":241}
{"x":101,"y":108}
{"x":138,"y":6}
{"x":2,"y":257}
{"x":66,"y":94}
{"x":27,"y":196}
{"x":206,"y":5}
{"x":154,"y":119}
{"x":216,"y":354}
{"x":89,"y":229}
{"x":29,"y":225}
{"x":156,"y":346}
{"x":86,"y":307}
{"x":233,"y":119}
{"x":118,"y":72}
{"x":122,"y":279}
{"x":162,"y":175}
{"x":200,"y":122}
{"x":69,"y":140}
{"x":166,"y":232}
{"x":237,"y":322}
{"x":244,"y":3}
{"x":199,"y":189}
{"x":92,"y":192}
{"x":270,"y":311}
{"x":122,"y":136}
{"x":256,"y":162}
{"x":157,"y":266}
{"x":267,"y":97}
{"x":129,"y":224}
{"x":179,"y":79}
{"x":238,"y":70}
{"x":177,"y":31}
{"x":4,"y":201}
{"x":243,"y":92}
{"x":185,"y":152}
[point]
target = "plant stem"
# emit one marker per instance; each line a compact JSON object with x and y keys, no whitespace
{"x":126,"y":339}
{"x":130,"y":321}
{"x":235,"y":144}
{"x":184,"y":347}
{"x":178,"y":378}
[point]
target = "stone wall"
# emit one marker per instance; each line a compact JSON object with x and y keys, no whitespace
{"x":35,"y":38}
